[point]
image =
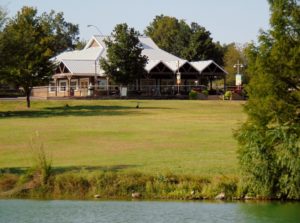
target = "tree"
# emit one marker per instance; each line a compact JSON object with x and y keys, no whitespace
{"x":124,"y":63}
{"x":64,"y":34}
{"x":233,"y":54}
{"x":202,"y":47}
{"x":189,"y":42}
{"x":269,"y":140}
{"x":3,"y":17}
{"x":80,"y":44}
{"x":28,"y":42}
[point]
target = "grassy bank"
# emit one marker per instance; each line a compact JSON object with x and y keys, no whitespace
{"x":163,"y":150}
{"x":115,"y":185}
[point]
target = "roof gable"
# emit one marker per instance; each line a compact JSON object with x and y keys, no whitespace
{"x":84,"y":61}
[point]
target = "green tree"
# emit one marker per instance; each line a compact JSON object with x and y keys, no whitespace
{"x":202,"y":47}
{"x":269,"y":140}
{"x":233,"y":54}
{"x":124,"y":63}
{"x":64,"y":34}
{"x":189,"y":42}
{"x":27,"y":44}
{"x":164,"y":30}
{"x":3,"y":17}
{"x":80,"y":44}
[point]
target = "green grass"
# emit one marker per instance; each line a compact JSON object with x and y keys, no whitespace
{"x":178,"y":136}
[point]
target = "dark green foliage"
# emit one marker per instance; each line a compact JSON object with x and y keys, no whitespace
{"x":193,"y":95}
{"x":270,"y":139}
{"x":124,"y":63}
{"x":3,"y":17}
{"x":189,"y":42}
{"x":28,"y":42}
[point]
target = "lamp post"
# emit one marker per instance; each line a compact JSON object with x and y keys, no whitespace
{"x":178,"y":78}
{"x":95,"y":28}
{"x":238,"y":76}
{"x":95,"y":78}
{"x":238,"y":66}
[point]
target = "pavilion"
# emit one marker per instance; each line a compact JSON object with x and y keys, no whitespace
{"x":78,"y":72}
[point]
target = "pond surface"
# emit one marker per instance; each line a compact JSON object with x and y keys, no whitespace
{"x":32,"y":211}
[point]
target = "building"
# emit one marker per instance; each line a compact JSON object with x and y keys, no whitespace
{"x":79,"y":74}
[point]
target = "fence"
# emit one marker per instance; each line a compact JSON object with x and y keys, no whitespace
{"x":116,"y":90}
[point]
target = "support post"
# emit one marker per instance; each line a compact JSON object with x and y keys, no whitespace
{"x":69,"y":85}
{"x":225,"y":87}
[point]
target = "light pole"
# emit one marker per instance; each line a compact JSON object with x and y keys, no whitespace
{"x":95,"y":28}
{"x":238,"y":76}
{"x":95,"y":78}
{"x":238,"y":66}
{"x":178,"y":77}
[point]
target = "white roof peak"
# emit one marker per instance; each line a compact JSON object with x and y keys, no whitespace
{"x":78,"y":61}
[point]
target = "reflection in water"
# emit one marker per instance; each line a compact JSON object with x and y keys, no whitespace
{"x":31,"y":211}
{"x":276,"y":212}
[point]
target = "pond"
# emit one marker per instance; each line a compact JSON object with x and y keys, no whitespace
{"x":36,"y":211}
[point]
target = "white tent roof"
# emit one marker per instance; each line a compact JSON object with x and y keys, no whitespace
{"x":83,"y":61}
{"x":202,"y":65}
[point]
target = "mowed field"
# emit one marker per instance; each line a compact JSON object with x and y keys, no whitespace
{"x":176,"y":136}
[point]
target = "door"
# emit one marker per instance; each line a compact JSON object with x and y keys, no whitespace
{"x":84,"y":84}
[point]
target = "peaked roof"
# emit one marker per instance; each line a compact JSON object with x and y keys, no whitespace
{"x":86,"y":61}
{"x":204,"y":64}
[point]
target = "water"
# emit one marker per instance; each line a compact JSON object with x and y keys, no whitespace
{"x":31,"y":211}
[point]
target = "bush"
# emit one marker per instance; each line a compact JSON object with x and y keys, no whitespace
{"x":42,"y":164}
{"x":8,"y":181}
{"x":193,"y":95}
{"x":227,"y":95}
{"x":205,"y":92}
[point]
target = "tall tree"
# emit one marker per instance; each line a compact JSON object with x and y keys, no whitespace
{"x":124,"y":63}
{"x":189,"y":42}
{"x":64,"y":34}
{"x":233,"y":54}
{"x":269,"y":140}
{"x":28,"y":42}
{"x":164,"y":30}
{"x":202,"y":47}
{"x":3,"y":17}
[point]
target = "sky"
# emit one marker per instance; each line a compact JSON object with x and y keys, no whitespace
{"x":228,"y":20}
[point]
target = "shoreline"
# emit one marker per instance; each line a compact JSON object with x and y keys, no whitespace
{"x":116,"y":186}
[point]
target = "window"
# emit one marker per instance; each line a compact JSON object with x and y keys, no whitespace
{"x":102,"y":84}
{"x":62,"y":85}
{"x":74,"y":85}
{"x":52,"y":87}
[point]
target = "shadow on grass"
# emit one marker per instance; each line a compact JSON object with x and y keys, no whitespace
{"x":76,"y":110}
{"x":67,"y":110}
{"x":59,"y":170}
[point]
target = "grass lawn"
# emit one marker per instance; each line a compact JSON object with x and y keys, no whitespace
{"x":178,"y":136}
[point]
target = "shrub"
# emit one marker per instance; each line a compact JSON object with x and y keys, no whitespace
{"x":205,"y":92}
{"x":8,"y":181}
{"x":227,"y":95}
{"x":193,"y":95}
{"x":42,"y":164}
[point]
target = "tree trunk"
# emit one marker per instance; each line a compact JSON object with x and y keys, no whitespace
{"x":28,"y":92}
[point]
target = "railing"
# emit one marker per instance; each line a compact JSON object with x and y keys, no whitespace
{"x":115,"y":90}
